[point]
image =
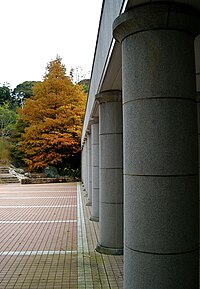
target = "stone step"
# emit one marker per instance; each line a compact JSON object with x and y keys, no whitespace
{"x":4,"y":170}
{"x":6,"y":175}
{"x":9,"y":181}
{"x":7,"y":178}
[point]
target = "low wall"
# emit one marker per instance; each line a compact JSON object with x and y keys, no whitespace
{"x":46,"y":180}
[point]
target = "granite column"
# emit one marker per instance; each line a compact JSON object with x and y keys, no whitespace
{"x":95,"y":169}
{"x":89,"y":170}
{"x":111,"y":176}
{"x":160,"y":145}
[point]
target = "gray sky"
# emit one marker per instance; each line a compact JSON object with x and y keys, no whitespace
{"x":33,"y":32}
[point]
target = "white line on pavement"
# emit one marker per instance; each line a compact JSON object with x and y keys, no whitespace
{"x":37,"y":222}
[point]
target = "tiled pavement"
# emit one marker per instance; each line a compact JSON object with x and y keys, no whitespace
{"x":47,"y":240}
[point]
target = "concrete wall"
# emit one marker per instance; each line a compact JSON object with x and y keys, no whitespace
{"x":197,"y":62}
{"x":105,"y":44}
{"x":110,"y":10}
{"x":159,"y":135}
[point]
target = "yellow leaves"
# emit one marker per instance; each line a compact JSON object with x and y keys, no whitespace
{"x":54,"y":118}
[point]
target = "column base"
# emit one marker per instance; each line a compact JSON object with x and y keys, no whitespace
{"x":89,"y":204}
{"x":94,"y":219}
{"x":109,"y":251}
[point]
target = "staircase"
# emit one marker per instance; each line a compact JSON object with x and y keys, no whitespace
{"x":6,"y":177}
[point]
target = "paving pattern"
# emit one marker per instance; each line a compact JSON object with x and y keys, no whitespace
{"x":47,"y":240}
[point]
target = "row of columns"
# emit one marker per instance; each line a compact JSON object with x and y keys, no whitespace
{"x":105,"y":159}
{"x":150,"y":159}
{"x":95,"y":169}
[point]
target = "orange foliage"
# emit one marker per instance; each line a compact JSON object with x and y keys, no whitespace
{"x":55,"y":116}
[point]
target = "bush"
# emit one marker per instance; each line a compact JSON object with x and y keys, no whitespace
{"x":51,"y":172}
{"x":4,"y":150}
{"x":68,"y":171}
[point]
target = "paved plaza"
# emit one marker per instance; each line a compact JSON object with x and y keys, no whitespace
{"x":47,"y":240}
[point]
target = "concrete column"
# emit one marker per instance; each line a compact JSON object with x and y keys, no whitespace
{"x":95,"y":169}
{"x":86,"y":167}
{"x":160,"y":146}
{"x":197,"y":62}
{"x":110,"y":178}
{"x":198,"y":111}
{"x":83,"y":165}
{"x":89,"y":168}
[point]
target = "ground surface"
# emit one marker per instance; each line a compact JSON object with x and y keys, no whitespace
{"x":47,"y":240}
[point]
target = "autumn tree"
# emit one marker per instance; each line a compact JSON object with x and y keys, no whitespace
{"x":54,"y":117}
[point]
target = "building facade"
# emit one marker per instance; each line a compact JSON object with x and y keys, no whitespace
{"x":140,"y":163}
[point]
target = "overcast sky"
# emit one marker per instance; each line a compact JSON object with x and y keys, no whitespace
{"x":33,"y":32}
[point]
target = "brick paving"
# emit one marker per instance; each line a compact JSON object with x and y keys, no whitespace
{"x":47,"y":240}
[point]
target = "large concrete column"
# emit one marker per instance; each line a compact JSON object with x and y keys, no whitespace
{"x":89,"y":170}
{"x":110,"y":178}
{"x":198,"y":111}
{"x":95,"y":169}
{"x":86,"y":166}
{"x":83,"y":164}
{"x":160,"y":146}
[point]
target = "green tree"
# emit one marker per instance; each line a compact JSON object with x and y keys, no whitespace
{"x":54,"y":118}
{"x":7,"y":120}
{"x":23,"y":91}
{"x":85,"y":84}
{"x":5,"y":94}
{"x":7,"y":123}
